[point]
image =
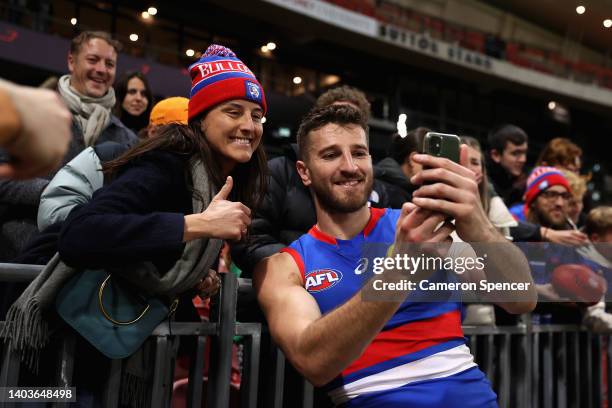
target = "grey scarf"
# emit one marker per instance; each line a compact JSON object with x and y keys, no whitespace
{"x":92,"y":114}
{"x":27,"y":329}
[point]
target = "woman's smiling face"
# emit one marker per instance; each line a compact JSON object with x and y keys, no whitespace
{"x":233,"y":130}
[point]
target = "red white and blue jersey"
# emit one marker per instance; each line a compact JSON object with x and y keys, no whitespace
{"x":419,"y":358}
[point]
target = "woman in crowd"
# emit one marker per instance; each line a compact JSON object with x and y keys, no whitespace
{"x":161,"y":221}
{"x":171,"y":192}
{"x":499,"y":215}
{"x":134,"y":101}
{"x":76,"y":182}
{"x":561,"y":153}
{"x":575,"y":206}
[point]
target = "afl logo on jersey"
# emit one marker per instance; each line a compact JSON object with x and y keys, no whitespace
{"x":322,"y":279}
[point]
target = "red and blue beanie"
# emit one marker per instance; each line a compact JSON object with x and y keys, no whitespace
{"x":540,"y":179}
{"x":220,"y":76}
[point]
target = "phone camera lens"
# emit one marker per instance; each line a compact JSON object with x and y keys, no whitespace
{"x":435,"y":146}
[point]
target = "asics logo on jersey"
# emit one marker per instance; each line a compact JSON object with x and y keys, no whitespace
{"x":322,"y":279}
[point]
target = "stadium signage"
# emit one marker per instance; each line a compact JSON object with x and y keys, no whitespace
{"x":427,"y":45}
{"x":331,"y":14}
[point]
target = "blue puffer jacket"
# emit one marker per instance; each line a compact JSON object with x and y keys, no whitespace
{"x":75,"y":183}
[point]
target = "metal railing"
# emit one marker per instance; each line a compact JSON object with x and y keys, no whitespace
{"x":527,"y":365}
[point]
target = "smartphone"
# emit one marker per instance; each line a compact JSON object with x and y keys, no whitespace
{"x":442,"y":145}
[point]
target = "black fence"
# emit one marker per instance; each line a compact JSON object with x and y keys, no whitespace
{"x":528,"y":365}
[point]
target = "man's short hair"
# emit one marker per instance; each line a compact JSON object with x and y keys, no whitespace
{"x":599,"y":220}
{"x":342,"y":115}
{"x":77,"y":42}
{"x":506,"y":133}
{"x":402,"y":147}
{"x":345,"y":93}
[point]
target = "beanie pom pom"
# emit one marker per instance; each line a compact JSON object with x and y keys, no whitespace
{"x":219,"y":51}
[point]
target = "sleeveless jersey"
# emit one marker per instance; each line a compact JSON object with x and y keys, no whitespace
{"x":419,"y":358}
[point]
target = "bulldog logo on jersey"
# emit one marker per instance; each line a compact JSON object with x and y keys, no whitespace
{"x":322,"y":279}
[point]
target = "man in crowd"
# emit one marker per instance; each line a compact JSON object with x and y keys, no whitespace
{"x":377,"y":353}
{"x":546,"y":204}
{"x":506,"y":162}
{"x":87,"y":92}
{"x":546,"y":199}
{"x":549,"y":196}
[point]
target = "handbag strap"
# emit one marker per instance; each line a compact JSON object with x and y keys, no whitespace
{"x":172,"y":308}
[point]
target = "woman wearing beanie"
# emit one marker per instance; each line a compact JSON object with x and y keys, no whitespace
{"x":220,"y":144}
{"x":181,"y":193}
{"x":134,"y":101}
{"x":172,"y":201}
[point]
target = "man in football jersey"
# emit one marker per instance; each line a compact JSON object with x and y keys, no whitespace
{"x":377,"y":353}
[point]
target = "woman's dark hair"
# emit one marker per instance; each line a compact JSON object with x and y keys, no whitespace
{"x":121,"y":88}
{"x":402,"y":147}
{"x":250,"y":178}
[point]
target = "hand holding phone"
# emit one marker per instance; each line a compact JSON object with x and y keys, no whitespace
{"x":459,"y":197}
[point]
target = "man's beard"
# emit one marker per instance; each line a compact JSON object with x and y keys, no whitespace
{"x":346,"y":204}
{"x":536,"y":217}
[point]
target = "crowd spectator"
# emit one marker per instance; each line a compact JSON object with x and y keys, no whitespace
{"x":166,"y":111}
{"x":494,"y":207}
{"x":594,"y":257}
{"x":575,"y":205}
{"x":397,"y":168}
{"x":34,"y":132}
{"x":87,"y":92}
{"x":500,"y":217}
{"x":561,"y":153}
{"x":598,"y":255}
{"x":506,"y":162}
{"x":546,"y":204}
{"x":134,"y":101}
{"x":161,"y":221}
{"x":546,"y":199}
{"x":343,"y":95}
{"x":598,"y":226}
{"x":538,"y":226}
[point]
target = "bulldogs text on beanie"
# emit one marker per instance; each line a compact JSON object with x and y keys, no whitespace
{"x":219,"y":76}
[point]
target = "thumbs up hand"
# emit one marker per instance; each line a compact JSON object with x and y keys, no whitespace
{"x":225,"y":191}
{"x":222,"y":218}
